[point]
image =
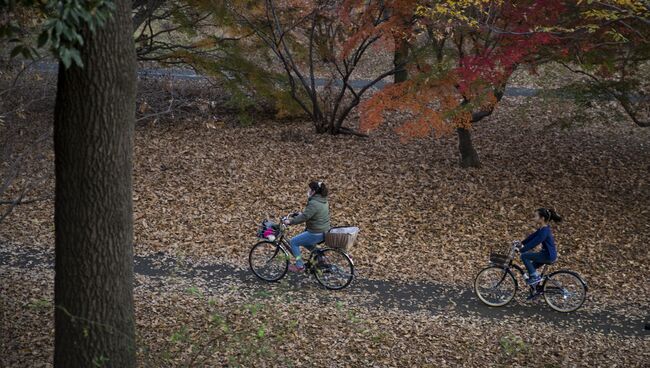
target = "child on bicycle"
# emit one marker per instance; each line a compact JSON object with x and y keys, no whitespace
{"x":317,"y":218}
{"x":544,"y":236}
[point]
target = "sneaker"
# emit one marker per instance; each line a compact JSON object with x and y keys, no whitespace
{"x":533,"y":280}
{"x":294,"y":268}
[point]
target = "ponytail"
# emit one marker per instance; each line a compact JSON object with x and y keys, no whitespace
{"x":549,"y":214}
{"x":319,"y":188}
{"x":555,"y":216}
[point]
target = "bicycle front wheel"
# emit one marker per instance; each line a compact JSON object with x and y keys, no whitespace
{"x":333,"y":268}
{"x":564,"y":291}
{"x":495,"y":286}
{"x":268,"y":261}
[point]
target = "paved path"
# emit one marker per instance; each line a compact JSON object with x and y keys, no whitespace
{"x":410,"y":297}
{"x":189,"y":74}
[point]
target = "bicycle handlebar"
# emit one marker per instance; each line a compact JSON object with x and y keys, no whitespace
{"x":282,"y":225}
{"x":516,"y":246}
{"x":291,"y":215}
{"x":284,"y":218}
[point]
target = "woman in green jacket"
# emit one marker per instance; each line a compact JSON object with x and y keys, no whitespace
{"x":317,"y":218}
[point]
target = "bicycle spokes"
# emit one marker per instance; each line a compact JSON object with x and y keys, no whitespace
{"x":564,"y":291}
{"x":333,"y":269}
{"x":268,"y":261}
{"x":495,"y":286}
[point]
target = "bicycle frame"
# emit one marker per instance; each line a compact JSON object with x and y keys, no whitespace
{"x":550,"y":286}
{"x":522,"y":270}
{"x":282,"y":242}
{"x":333,"y":273}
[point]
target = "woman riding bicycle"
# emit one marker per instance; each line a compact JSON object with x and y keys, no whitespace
{"x":317,"y":218}
{"x":543,"y":235}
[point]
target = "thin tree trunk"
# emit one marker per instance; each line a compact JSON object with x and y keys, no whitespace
{"x":93,"y":131}
{"x":321,"y":125}
{"x":468,"y":155}
{"x":400,"y":56}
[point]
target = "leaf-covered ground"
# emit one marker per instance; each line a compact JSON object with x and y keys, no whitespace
{"x":182,"y":322}
{"x":201,"y":187}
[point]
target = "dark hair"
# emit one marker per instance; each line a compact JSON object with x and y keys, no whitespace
{"x":318,"y":187}
{"x":549,"y":214}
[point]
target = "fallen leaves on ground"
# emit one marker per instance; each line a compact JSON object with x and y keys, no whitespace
{"x":199,"y":192}
{"x":180,"y":322}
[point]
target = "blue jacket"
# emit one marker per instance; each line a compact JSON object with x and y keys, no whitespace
{"x":544,"y":236}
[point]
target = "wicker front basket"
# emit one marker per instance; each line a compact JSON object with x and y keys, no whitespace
{"x":341,"y":237}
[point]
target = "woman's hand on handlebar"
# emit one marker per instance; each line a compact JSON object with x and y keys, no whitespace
{"x":286,"y":220}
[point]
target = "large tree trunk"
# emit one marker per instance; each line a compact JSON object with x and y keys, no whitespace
{"x":468,"y":155}
{"x":93,"y":131}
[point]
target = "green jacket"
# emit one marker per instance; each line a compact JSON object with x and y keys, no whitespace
{"x":316,"y":215}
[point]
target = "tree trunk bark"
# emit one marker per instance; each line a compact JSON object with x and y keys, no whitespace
{"x":93,"y":132}
{"x":400,"y":57}
{"x":468,"y":155}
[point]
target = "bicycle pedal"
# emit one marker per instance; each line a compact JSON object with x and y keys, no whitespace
{"x":533,"y":296}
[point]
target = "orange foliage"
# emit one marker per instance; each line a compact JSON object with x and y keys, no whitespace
{"x":433,"y":105}
{"x":474,"y":60}
{"x":361,"y":17}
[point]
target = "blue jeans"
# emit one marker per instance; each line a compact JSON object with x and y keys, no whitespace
{"x":534,"y":260}
{"x":305,"y":239}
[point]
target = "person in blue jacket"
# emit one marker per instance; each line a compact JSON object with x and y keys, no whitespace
{"x":544,"y":236}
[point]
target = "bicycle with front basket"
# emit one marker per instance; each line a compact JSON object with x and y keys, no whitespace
{"x":269,"y":260}
{"x":495,"y":285}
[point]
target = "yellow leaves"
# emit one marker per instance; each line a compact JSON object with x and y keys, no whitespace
{"x":600,"y":14}
{"x":637,"y":6}
{"x":457,"y":10}
{"x":611,"y":11}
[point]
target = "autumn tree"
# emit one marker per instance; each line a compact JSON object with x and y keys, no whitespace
{"x":319,"y":45}
{"x":476,"y":45}
{"x":608,"y":43}
{"x":232,"y":42}
{"x":402,"y":37}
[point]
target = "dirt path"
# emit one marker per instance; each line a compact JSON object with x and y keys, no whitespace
{"x":409,"y":297}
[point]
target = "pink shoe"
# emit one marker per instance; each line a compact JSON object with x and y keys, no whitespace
{"x":294,"y":268}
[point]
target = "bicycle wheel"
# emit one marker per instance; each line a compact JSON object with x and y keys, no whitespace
{"x":333,"y":268}
{"x":268,"y":261}
{"x":495,"y":286}
{"x":564,"y":291}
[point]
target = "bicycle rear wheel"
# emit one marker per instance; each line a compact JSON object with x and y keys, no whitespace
{"x":564,"y":291}
{"x":268,"y":261}
{"x":333,"y":268}
{"x":495,"y":286}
